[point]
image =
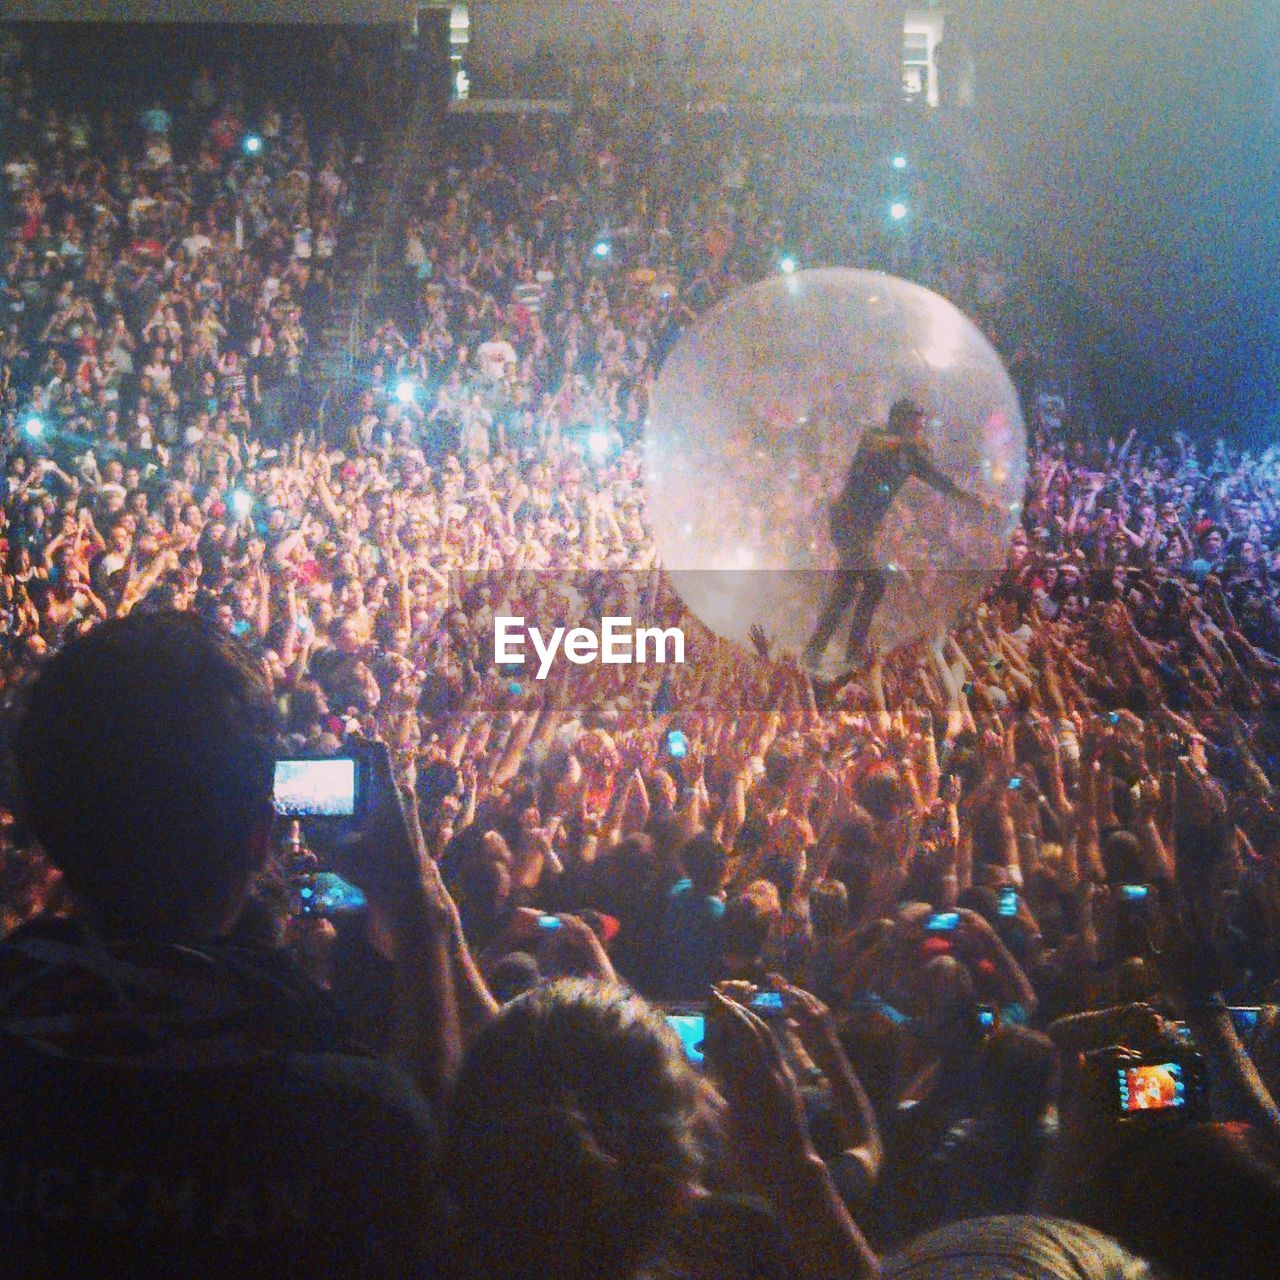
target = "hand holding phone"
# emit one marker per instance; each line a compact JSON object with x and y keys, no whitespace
{"x":381,"y":848}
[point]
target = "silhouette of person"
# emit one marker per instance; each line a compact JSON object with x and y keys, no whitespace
{"x":886,"y":458}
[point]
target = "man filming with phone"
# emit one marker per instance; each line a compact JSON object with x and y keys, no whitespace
{"x":177,"y":1102}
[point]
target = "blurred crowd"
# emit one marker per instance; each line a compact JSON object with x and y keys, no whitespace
{"x":928,"y":898}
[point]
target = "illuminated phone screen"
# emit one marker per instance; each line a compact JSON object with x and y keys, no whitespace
{"x":315,"y":788}
{"x":1151,"y":1087}
{"x":692,"y":1030}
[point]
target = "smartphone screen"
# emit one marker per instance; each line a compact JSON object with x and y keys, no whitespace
{"x":315,"y":788}
{"x":327,"y":894}
{"x":1150,"y":1087}
{"x":677,"y":744}
{"x":692,"y":1030}
{"x":1245,"y":1020}
{"x":549,"y":924}
{"x":1008,"y":905}
{"x":942,"y":922}
{"x":1134,"y":892}
{"x":768,"y":1004}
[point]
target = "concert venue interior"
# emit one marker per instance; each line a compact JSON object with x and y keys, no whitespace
{"x":639,"y":642}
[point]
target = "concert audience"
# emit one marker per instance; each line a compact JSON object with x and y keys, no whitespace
{"x":970,"y":881}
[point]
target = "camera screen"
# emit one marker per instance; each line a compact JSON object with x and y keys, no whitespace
{"x":315,"y":788}
{"x":1151,"y":1087}
{"x":692,"y":1029}
{"x":767,"y":1003}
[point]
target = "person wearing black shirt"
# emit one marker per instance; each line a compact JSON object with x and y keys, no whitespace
{"x":885,"y":460}
{"x":178,"y":1101}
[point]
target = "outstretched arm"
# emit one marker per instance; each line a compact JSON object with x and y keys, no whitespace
{"x":925,"y":470}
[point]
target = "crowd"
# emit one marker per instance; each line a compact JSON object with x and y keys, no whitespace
{"x":914,"y":928}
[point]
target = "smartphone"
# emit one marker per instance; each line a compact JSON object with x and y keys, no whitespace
{"x":692,"y":1030}
{"x":768,"y":1004}
{"x":326,"y":894}
{"x":1015,"y":783}
{"x":1135,"y":892}
{"x":1245,"y":1020}
{"x":986,"y":1018}
{"x":1113,"y":717}
{"x":942,"y":922}
{"x":677,"y":744}
{"x":1151,"y":1086}
{"x":316,"y":788}
{"x":1008,"y":902}
{"x":549,"y":924}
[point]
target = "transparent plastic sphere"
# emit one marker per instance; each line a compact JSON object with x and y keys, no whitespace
{"x":828,"y":440}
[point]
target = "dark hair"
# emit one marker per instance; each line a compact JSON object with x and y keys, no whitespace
{"x":748,"y":921}
{"x":1200,"y":1203}
{"x":902,"y":412}
{"x":144,"y":759}
{"x":705,"y":861}
{"x":1019,"y":1073}
{"x":575,"y":1130}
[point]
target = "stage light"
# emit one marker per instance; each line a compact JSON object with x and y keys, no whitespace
{"x":787,"y":265}
{"x":252,"y":144}
{"x":405,"y":391}
{"x":603,"y":249}
{"x":34,"y":427}
{"x":899,"y":162}
{"x":241,"y":504}
{"x":897,"y":211}
{"x":598,"y":443}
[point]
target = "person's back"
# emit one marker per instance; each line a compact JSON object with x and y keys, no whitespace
{"x":200,"y":1113}
{"x":691,"y":946}
{"x":175,"y":1104}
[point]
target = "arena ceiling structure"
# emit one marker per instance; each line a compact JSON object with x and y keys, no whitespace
{"x":1136,"y":140}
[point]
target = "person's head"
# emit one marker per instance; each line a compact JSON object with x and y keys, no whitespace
{"x":144,"y":759}
{"x":1201,"y":1202}
{"x":1014,"y":1248}
{"x":706,"y":862}
{"x":1018,"y":1076}
{"x":575,"y":1135}
{"x":906,"y":418}
{"x":749,"y":920}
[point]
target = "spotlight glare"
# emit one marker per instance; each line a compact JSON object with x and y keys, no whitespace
{"x":34,"y":427}
{"x":598,"y":443}
{"x":252,"y":144}
{"x":787,"y":265}
{"x":899,"y":162}
{"x":405,"y":391}
{"x":241,"y":504}
{"x":897,"y":211}
{"x":603,"y":249}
